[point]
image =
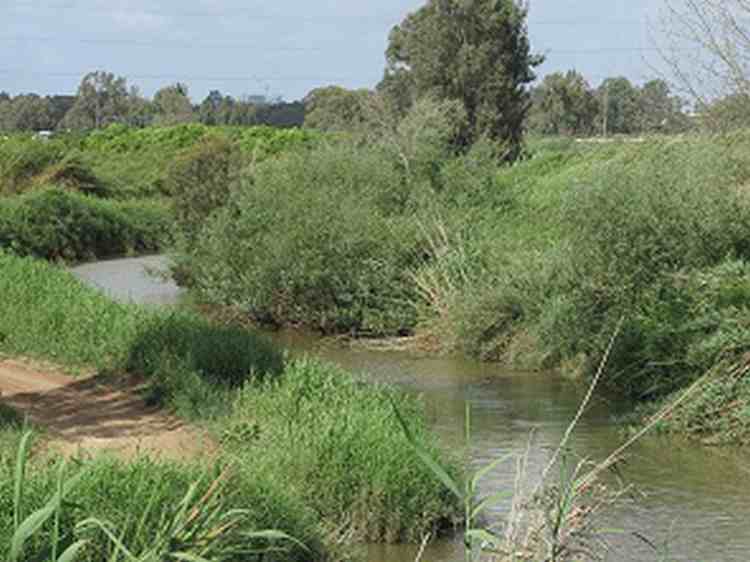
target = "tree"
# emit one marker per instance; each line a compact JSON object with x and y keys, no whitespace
{"x":27,"y":112}
{"x":475,"y":52}
{"x":334,"y":108}
{"x":659,"y":110}
{"x":619,"y":102}
{"x":563,"y":104}
{"x":102,"y":99}
{"x":172,"y":105}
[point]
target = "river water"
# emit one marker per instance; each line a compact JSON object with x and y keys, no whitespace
{"x":693,"y":502}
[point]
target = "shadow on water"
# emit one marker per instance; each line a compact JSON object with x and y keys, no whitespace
{"x":694,"y":499}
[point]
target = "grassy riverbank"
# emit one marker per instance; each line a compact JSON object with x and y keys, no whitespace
{"x":314,"y":452}
{"x":533,"y":265}
{"x":118,"y":191}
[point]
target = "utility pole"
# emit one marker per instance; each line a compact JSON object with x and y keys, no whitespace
{"x":605,"y":109}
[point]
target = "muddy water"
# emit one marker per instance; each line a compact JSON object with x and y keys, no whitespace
{"x":693,"y":502}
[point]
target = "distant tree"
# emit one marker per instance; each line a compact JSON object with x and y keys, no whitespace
{"x":475,"y":52}
{"x":26,"y":112}
{"x":208,"y":111}
{"x":725,"y":114}
{"x":659,"y":110}
{"x":141,"y":111}
{"x":334,"y":108}
{"x":281,"y":114}
{"x":102,"y":99}
{"x":619,"y":101}
{"x":172,"y":105}
{"x":59,"y":106}
{"x":4,"y":96}
{"x":563,"y":104}
{"x":397,"y":90}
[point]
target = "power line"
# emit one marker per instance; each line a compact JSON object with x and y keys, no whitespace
{"x":71,"y":6}
{"x":182,"y":43}
{"x":182,"y":77}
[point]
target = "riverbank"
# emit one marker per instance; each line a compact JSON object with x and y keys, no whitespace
{"x":257,"y":405}
{"x":531,"y":265}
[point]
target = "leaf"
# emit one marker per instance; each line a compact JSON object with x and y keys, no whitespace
{"x":436,"y":469}
{"x":489,"y":501}
{"x":72,"y":551}
{"x":21,"y":457}
{"x":482,"y":472}
{"x":482,"y":535}
{"x":27,"y":528}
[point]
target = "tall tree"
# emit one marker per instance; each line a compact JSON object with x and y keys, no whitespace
{"x":172,"y":105}
{"x":334,"y":108}
{"x":102,"y":99}
{"x":659,"y":110}
{"x":563,"y":104}
{"x":619,"y":101}
{"x":476,"y":52}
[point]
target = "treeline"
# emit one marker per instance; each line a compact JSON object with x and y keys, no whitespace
{"x":565,"y":104}
{"x":103,"y":99}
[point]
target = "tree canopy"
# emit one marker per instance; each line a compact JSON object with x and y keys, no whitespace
{"x":476,"y":52}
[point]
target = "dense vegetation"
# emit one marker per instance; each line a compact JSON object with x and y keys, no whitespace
{"x":534,"y":264}
{"x":350,"y":475}
{"x":117,"y":191}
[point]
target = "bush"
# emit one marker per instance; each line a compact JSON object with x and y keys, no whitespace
{"x":198,"y":182}
{"x":337,"y":443}
{"x":320,"y":238}
{"x":21,"y":159}
{"x":57,"y":225}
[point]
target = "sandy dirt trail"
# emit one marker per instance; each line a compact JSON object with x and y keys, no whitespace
{"x":86,"y":416}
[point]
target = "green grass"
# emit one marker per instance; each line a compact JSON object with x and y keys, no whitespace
{"x":46,"y":313}
{"x":337,"y":444}
{"x":313,"y":451}
{"x":154,"y":510}
{"x":531,"y":264}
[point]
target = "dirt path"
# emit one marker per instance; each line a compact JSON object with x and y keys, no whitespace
{"x":85,"y":416}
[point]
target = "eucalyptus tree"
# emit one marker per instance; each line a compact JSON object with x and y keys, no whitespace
{"x":102,"y":99}
{"x":476,"y":52}
{"x":563,"y":104}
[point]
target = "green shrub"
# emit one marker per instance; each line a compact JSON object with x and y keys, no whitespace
{"x":321,"y":238}
{"x":57,"y":225}
{"x":23,"y":158}
{"x":198,"y":182}
{"x":337,"y":444}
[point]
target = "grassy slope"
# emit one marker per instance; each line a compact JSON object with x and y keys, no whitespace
{"x":287,"y":468}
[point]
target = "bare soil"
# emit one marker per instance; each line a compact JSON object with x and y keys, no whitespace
{"x":84,"y":416}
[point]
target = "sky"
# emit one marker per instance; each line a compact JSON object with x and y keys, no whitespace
{"x":282,"y":48}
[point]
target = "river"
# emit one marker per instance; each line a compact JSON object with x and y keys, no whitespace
{"x":693,"y":502}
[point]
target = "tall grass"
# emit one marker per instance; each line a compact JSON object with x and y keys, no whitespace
{"x":343,"y":453}
{"x":46,"y":313}
{"x":145,"y":511}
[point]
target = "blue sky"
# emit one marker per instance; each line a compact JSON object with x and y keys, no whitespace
{"x":284,"y":47}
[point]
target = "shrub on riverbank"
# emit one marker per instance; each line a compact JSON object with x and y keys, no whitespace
{"x":343,"y":452}
{"x":314,"y":452}
{"x":57,"y":225}
{"x":322,"y":238}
